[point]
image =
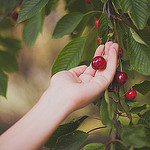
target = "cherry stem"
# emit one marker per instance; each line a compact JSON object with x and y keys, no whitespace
{"x":96,"y":129}
{"x":120,"y":64}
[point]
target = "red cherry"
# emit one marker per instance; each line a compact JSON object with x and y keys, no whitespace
{"x":121,"y":78}
{"x":96,"y":23}
{"x":98,"y":63}
{"x":120,"y":50}
{"x":14,"y":16}
{"x":98,"y":40}
{"x":131,"y":94}
{"x":88,"y":1}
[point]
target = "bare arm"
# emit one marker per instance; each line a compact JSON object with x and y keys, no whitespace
{"x":68,"y":91}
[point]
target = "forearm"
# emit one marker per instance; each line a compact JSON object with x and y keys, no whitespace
{"x":37,"y":125}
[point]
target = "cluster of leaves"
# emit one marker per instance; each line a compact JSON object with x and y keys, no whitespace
{"x":129,"y":23}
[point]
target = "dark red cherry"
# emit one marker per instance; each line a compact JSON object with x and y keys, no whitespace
{"x":131,"y":94}
{"x":96,"y":23}
{"x":98,"y":62}
{"x":120,"y":50}
{"x":121,"y":78}
{"x":14,"y":16}
{"x":88,"y":1}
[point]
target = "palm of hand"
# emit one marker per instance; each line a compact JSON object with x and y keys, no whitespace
{"x":83,"y":84}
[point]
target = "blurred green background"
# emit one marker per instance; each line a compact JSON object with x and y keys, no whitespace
{"x":27,"y":85}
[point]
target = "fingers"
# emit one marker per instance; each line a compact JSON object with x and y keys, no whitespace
{"x":107,"y":47}
{"x":111,"y":65}
{"x":78,"y":70}
{"x":98,"y":52}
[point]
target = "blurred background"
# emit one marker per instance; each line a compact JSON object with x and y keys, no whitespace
{"x":27,"y":85}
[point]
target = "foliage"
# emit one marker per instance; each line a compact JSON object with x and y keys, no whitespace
{"x":126,"y":22}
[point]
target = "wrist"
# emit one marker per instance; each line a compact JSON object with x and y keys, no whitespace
{"x":56,"y":101}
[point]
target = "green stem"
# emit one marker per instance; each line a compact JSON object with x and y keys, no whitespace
{"x":91,"y":12}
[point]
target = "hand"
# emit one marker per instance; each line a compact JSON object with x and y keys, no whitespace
{"x":81,"y":85}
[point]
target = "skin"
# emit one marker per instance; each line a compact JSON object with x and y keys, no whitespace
{"x":68,"y":91}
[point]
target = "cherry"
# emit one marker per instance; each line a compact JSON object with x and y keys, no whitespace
{"x":98,"y":62}
{"x":120,"y":50}
{"x":131,"y":94}
{"x":98,"y":40}
{"x":121,"y":78}
{"x":96,"y":23}
{"x":14,"y":16}
{"x":88,"y":1}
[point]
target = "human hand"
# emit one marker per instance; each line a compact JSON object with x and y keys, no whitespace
{"x":81,"y":85}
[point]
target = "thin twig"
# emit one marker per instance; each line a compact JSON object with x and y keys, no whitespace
{"x":11,"y":10}
{"x":96,"y":129}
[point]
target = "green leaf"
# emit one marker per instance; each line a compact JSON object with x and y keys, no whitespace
{"x":11,"y":44}
{"x":6,"y":24}
{"x":32,"y":28}
{"x":50,"y":6}
{"x":70,"y":55}
{"x":90,"y":46}
{"x":67,"y":24}
{"x":116,"y":5}
{"x":3,"y":83}
{"x":143,"y":87}
{"x":139,"y":53}
{"x":29,"y":8}
{"x":98,"y":5}
{"x":146,"y":119}
{"x":63,"y":130}
{"x":7,"y":4}
{"x":76,"y":6}
{"x":71,"y":141}
{"x":105,"y":114}
{"x":86,"y":21}
{"x":136,"y":110}
{"x":102,"y":27}
{"x":145,"y":34}
{"x":115,"y":96}
{"x":138,"y":11}
{"x":8,"y":62}
{"x":94,"y":146}
{"x":135,"y":136}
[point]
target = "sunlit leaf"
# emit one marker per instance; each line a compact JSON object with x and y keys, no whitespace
{"x":139,"y":53}
{"x":67,"y":24}
{"x":29,"y":8}
{"x":70,"y":55}
{"x":143,"y":87}
{"x":94,"y":146}
{"x":136,"y":110}
{"x":31,"y":30}
{"x":138,"y":11}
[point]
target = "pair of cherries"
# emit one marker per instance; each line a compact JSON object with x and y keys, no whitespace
{"x":99,"y":63}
